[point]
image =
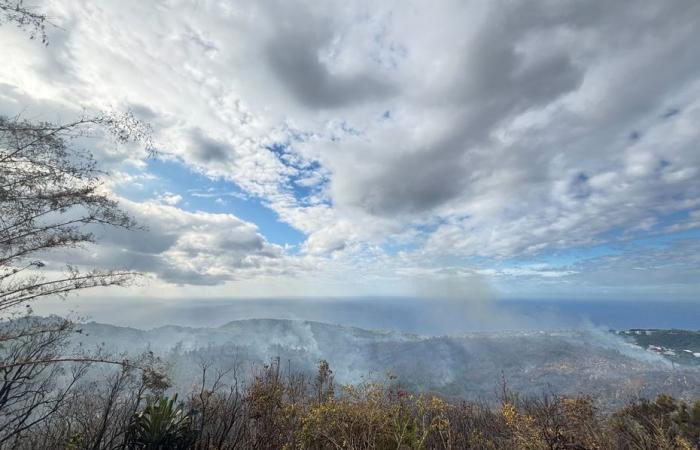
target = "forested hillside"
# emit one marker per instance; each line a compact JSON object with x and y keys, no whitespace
{"x":281,"y":409}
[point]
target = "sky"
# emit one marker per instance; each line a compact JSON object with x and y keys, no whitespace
{"x":480,"y":149}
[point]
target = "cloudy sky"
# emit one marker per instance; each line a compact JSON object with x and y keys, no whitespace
{"x":524,"y":149}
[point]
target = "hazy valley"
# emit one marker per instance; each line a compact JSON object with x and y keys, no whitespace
{"x":605,"y":364}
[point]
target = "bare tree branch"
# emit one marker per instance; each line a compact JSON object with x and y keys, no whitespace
{"x":16,"y":12}
{"x":49,"y":193}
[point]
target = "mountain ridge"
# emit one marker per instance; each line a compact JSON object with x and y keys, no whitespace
{"x":468,"y":365}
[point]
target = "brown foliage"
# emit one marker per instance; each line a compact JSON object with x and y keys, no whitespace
{"x":283,"y":410}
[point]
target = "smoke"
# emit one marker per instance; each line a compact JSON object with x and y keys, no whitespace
{"x":456,"y":298}
{"x":461,"y":301}
{"x":457,"y":301}
{"x":592,"y":360}
{"x":488,"y":337}
{"x":606,"y":339}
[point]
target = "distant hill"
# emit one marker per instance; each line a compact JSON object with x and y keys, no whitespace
{"x":679,"y":346}
{"x":613,"y":366}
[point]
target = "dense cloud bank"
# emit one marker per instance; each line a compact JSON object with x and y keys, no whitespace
{"x":396,"y":137}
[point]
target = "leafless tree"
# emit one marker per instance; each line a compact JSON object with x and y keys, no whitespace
{"x":25,"y":17}
{"x":97,"y":411}
{"x":218,"y":408}
{"x":50,"y":195}
{"x":32,"y":393}
{"x":50,"y":192}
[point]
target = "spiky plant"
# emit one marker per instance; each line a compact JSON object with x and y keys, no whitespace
{"x":163,"y":424}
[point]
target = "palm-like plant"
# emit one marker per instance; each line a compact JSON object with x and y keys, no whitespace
{"x":162,"y":425}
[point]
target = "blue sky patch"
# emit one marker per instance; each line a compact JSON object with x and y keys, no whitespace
{"x":201,"y":193}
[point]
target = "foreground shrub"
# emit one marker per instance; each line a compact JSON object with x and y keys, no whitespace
{"x":163,"y":424}
{"x":293,"y":411}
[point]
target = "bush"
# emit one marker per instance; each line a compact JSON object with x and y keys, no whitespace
{"x":289,"y":411}
{"x":163,"y":424}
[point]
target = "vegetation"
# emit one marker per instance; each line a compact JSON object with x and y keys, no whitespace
{"x":680,"y":346}
{"x":287,"y":410}
{"x":24,"y":17}
{"x":51,"y":200}
{"x":162,"y":424}
{"x":50,"y":196}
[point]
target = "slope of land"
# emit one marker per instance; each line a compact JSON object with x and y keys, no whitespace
{"x":678,"y":346}
{"x":608,"y":365}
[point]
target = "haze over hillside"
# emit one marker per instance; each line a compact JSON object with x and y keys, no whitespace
{"x":469,"y":365}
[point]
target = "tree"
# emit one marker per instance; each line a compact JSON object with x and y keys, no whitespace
{"x":323,"y":383}
{"x":29,"y":393}
{"x":50,"y":193}
{"x":217,"y":408}
{"x":15,"y":11}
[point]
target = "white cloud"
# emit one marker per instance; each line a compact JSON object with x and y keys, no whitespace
{"x":182,"y":247}
{"x":469,"y":129}
{"x":169,"y":198}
